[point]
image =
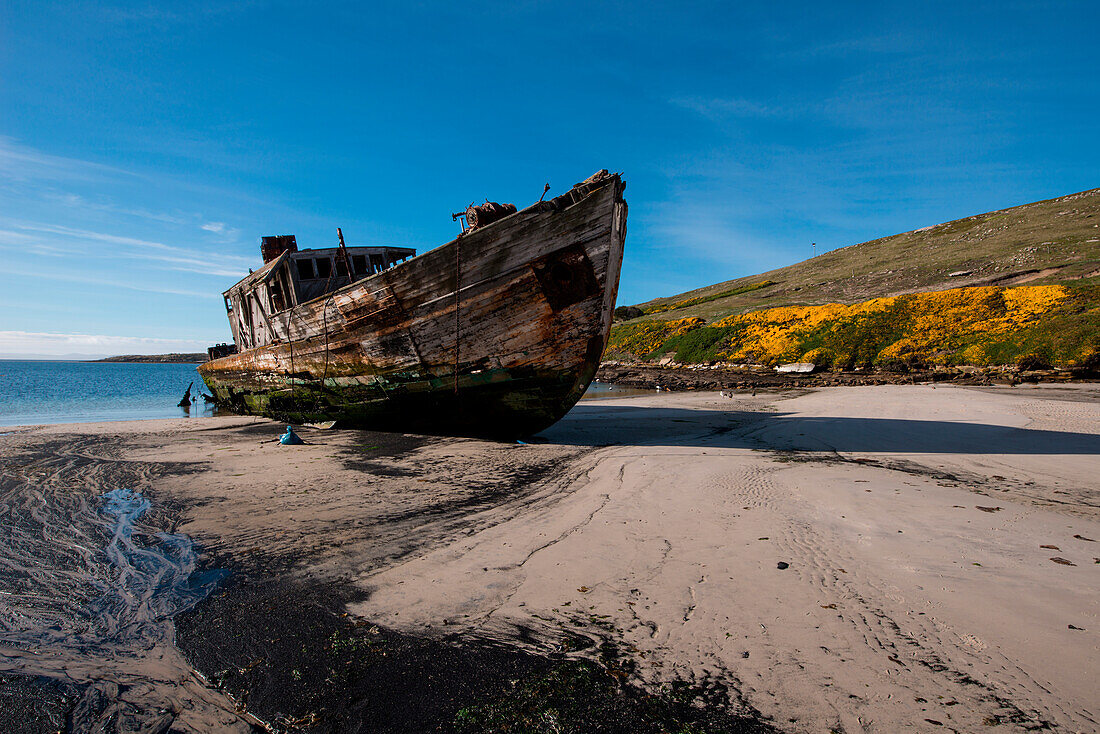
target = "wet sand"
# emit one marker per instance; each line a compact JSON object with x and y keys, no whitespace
{"x":862,"y":559}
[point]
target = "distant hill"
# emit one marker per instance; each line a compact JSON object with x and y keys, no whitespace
{"x":1049,"y":241}
{"x":175,"y":358}
{"x":983,"y":260}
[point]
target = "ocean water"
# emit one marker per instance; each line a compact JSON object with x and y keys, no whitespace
{"x":598,"y":390}
{"x":33,"y":392}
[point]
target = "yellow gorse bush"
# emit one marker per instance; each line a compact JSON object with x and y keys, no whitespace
{"x":646,"y":336}
{"x":775,"y":334}
{"x":939,"y":318}
{"x":960,"y":325}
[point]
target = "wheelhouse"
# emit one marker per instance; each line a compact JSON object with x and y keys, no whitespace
{"x":291,"y":277}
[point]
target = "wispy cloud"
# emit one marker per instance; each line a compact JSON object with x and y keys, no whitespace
{"x":77,"y":201}
{"x":711,"y":233}
{"x":21,"y":163}
{"x":58,"y":344}
{"x":8,"y":236}
{"x":722,"y":107}
{"x":32,"y":174}
{"x":169,"y":256}
{"x":223,"y":232}
{"x":96,"y":281}
{"x":197,"y":12}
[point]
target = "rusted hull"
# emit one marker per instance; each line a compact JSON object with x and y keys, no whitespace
{"x":508,"y":354}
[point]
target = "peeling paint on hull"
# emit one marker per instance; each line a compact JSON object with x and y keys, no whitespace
{"x":507,"y":356}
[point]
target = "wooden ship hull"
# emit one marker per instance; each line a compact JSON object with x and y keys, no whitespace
{"x":497,"y":333}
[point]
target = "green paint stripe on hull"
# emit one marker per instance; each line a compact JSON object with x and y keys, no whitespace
{"x":492,"y":403}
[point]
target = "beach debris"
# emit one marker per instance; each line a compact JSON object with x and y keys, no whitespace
{"x":1075,"y":627}
{"x":481,"y":215}
{"x":1050,"y":547}
{"x":1063,"y":561}
{"x":185,"y":402}
{"x":989,"y":509}
{"x":782,"y":565}
{"x":290,"y":438}
{"x":797,"y":367}
{"x":208,"y":398}
{"x":1082,"y":537}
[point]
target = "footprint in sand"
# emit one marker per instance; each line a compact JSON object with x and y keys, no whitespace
{"x":973,"y":642}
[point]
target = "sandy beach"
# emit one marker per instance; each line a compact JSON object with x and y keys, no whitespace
{"x":851,"y":559}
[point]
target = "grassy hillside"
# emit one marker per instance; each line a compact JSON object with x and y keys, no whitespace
{"x":1046,"y":242}
{"x":949,"y":294}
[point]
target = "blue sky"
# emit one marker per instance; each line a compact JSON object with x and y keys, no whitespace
{"x":145,"y":147}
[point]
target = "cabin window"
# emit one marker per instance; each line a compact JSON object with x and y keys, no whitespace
{"x":324,"y":268}
{"x":341,"y":266}
{"x":284,"y":286}
{"x":305,"y":269}
{"x":359,"y":264}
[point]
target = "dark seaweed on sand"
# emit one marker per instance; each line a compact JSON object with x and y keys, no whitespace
{"x":287,"y":651}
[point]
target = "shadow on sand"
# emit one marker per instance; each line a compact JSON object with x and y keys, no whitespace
{"x":609,"y":425}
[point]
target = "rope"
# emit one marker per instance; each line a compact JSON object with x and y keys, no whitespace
{"x":324,"y":319}
{"x":331,"y":299}
{"x":290,"y":337}
{"x":458,"y":286}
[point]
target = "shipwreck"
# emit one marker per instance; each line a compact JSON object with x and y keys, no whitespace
{"x":496,"y":333}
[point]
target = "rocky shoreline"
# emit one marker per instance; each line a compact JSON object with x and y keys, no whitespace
{"x":717,"y":377}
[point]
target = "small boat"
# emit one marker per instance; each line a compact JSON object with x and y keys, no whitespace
{"x":496,"y":333}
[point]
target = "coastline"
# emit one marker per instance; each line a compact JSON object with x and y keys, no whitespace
{"x":721,"y":377}
{"x":911,"y":520}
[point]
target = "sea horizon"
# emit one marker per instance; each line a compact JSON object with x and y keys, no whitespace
{"x":37,"y":392}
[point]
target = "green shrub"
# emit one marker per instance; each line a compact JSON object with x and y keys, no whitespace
{"x":1037,"y":360}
